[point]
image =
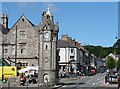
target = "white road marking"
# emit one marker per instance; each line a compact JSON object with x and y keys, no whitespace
{"x":93,"y":84}
{"x":96,"y":83}
{"x":98,"y":79}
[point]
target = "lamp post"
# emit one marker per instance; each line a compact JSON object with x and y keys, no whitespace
{"x":16,"y":46}
{"x":2,"y":60}
{"x":116,"y":46}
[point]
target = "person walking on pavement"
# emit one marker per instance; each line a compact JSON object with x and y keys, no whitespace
{"x":118,"y":79}
{"x":107,"y":78}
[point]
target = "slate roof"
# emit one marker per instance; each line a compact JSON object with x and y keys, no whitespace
{"x":64,"y":44}
{"x":25,"y":18}
{"x":36,"y":27}
{"x":30,"y":22}
{"x":3,"y":29}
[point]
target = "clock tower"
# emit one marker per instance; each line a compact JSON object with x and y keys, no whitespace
{"x":48,"y":36}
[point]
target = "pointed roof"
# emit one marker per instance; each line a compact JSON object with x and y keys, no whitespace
{"x":48,"y":12}
{"x":25,"y":18}
{"x":111,"y":55}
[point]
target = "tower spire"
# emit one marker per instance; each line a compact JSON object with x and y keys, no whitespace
{"x":48,"y":11}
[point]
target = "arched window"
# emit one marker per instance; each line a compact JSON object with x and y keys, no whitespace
{"x":22,"y":19}
{"x":48,"y":16}
{"x":46,"y":47}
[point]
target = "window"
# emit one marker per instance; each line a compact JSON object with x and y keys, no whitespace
{"x":48,"y":16}
{"x":72,"y":57}
{"x":13,"y":35}
{"x":13,"y":49}
{"x":46,"y":47}
{"x":22,"y":33}
{"x":5,"y":49}
{"x":22,"y":19}
{"x":22,"y":48}
{"x":24,"y":64}
{"x":72,"y":50}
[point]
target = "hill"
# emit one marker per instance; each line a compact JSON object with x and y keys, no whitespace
{"x":117,"y":44}
{"x":100,"y":51}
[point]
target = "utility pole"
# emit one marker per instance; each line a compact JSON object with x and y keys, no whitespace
{"x":16,"y":46}
{"x":38,"y":58}
{"x":2,"y":58}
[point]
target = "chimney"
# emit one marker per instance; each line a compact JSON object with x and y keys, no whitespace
{"x":77,"y":45}
{"x":70,"y":40}
{"x":73,"y":42}
{"x":4,"y":20}
{"x":65,"y":37}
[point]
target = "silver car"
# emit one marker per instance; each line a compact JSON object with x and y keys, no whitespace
{"x":113,"y":78}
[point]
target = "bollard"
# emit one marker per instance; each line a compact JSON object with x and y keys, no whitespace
{"x":8,"y":85}
{"x":27,"y":84}
{"x":0,"y":86}
{"x":38,"y":83}
{"x":111,"y":80}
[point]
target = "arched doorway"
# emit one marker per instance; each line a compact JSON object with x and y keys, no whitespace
{"x":46,"y":78}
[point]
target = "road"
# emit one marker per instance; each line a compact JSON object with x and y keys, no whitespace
{"x":89,"y":82}
{"x":84,"y":82}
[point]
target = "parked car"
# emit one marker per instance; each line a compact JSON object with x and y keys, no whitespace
{"x":93,"y":71}
{"x":112,"y":78}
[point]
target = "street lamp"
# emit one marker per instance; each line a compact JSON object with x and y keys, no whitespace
{"x":2,"y":60}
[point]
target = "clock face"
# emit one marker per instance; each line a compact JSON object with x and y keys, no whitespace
{"x":46,"y":35}
{"x":46,"y":59}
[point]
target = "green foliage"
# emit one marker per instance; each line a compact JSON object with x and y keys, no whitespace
{"x":100,"y":51}
{"x":111,"y":63}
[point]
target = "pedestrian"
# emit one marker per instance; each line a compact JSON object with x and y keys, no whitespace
{"x":118,"y":79}
{"x":22,"y":79}
{"x":107,"y":78}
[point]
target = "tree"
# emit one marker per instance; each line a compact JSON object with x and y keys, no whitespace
{"x":118,"y":65}
{"x":111,"y":63}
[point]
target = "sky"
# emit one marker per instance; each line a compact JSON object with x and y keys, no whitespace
{"x":93,"y":23}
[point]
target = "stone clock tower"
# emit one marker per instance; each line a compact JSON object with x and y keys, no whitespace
{"x":48,"y":36}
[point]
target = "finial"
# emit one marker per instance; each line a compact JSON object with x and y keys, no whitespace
{"x":48,"y":7}
{"x":48,"y":12}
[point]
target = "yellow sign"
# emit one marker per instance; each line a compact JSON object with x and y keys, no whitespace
{"x":8,"y":71}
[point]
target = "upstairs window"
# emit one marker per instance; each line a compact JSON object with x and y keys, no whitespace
{"x":23,"y":48}
{"x":13,"y":34}
{"x":5,"y":49}
{"x":72,"y":50}
{"x":22,"y":19}
{"x":46,"y":47}
{"x":13,"y":49}
{"x":48,"y":16}
{"x":22,"y":33}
